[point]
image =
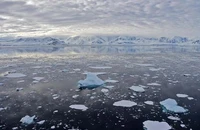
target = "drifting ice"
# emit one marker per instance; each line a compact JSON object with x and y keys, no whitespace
{"x":91,"y":81}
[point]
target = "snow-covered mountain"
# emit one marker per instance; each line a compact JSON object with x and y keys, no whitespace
{"x":96,"y":40}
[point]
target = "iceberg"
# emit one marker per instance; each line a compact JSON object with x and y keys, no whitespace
{"x":156,"y":125}
{"x":124,"y":103}
{"x":137,"y":88}
{"x":27,"y":120}
{"x":172,"y":106}
{"x":91,"y":81}
{"x":79,"y":107}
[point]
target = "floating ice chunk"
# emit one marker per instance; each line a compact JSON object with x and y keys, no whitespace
{"x":91,"y":81}
{"x":1,"y":84}
{"x":76,"y":69}
{"x":183,"y":125}
{"x":171,"y":106}
{"x":15,"y":128}
{"x":144,"y":65}
{"x":55,"y":96}
{"x":156,"y":125}
{"x":53,"y":127}
{"x":1,"y":109}
{"x":149,"y":102}
{"x":104,"y":90}
{"x":182,"y":95}
{"x":38,"y":78}
{"x":75,"y":96}
{"x":109,"y":87}
{"x":41,"y":122}
{"x":124,"y":103}
{"x":190,"y":98}
{"x":79,"y":107}
{"x":15,"y":75}
{"x":111,"y":81}
{"x":96,"y":73}
{"x":27,"y":120}
{"x":173,"y":118}
{"x":137,"y":88}
{"x":100,"y":67}
{"x":20,"y":81}
{"x":154,"y":84}
{"x":156,"y":69}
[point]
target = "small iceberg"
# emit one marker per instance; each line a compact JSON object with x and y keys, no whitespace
{"x":156,"y":125}
{"x":182,"y":95}
{"x":137,"y":88}
{"x":27,"y":120}
{"x":91,"y":81}
{"x":15,"y":75}
{"x":79,"y":107}
{"x":172,"y":106}
{"x":124,"y":103}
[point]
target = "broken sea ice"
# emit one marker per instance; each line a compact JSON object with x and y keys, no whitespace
{"x":156,"y":125}
{"x":27,"y":120}
{"x":172,"y":106}
{"x":124,"y":103}
{"x":91,"y":81}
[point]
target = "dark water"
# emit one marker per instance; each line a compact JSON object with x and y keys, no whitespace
{"x":175,"y":68}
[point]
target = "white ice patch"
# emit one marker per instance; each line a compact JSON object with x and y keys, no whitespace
{"x":91,"y":81}
{"x":20,"y":81}
{"x":15,"y":75}
{"x":1,"y":109}
{"x":190,"y":98}
{"x":154,"y":84}
{"x":137,"y":88}
{"x":79,"y":107}
{"x":38,"y":78}
{"x":124,"y":103}
{"x":173,"y":118}
{"x":182,"y":95}
{"x":100,"y":67}
{"x":75,"y":96}
{"x":145,"y":65}
{"x":41,"y":122}
{"x":109,"y":87}
{"x":156,"y":125}
{"x":27,"y":120}
{"x":104,"y":90}
{"x":156,"y":69}
{"x":111,"y":81}
{"x":149,"y":102}
{"x":172,"y":106}
{"x":55,"y":96}
{"x":96,"y":73}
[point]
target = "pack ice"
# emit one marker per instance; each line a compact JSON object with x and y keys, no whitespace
{"x":27,"y":120}
{"x":91,"y":81}
{"x":156,"y":125}
{"x":172,"y":106}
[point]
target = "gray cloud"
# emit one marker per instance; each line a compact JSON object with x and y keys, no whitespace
{"x":71,"y":17}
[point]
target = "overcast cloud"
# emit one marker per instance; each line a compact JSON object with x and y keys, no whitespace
{"x":79,"y":17}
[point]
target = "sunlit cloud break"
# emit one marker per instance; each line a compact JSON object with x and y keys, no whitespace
{"x":107,"y":17}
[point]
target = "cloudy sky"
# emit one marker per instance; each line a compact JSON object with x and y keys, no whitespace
{"x":108,"y":17}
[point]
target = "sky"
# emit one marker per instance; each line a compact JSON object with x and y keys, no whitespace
{"x":100,"y":17}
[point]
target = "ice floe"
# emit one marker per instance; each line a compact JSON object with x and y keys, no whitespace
{"x":172,"y":106}
{"x":91,"y":81}
{"x":182,"y":95}
{"x":149,"y":102}
{"x":156,"y":69}
{"x":38,"y":78}
{"x":124,"y":103}
{"x":79,"y":107}
{"x":41,"y":122}
{"x":75,"y":96}
{"x":111,"y":81}
{"x":190,"y":98}
{"x":4,"y":108}
{"x":137,"y":88}
{"x":15,"y":75}
{"x":104,"y":90}
{"x":174,"y":118}
{"x":109,"y":87}
{"x":156,"y":125}
{"x":154,"y":84}
{"x":27,"y":120}
{"x":100,"y":67}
